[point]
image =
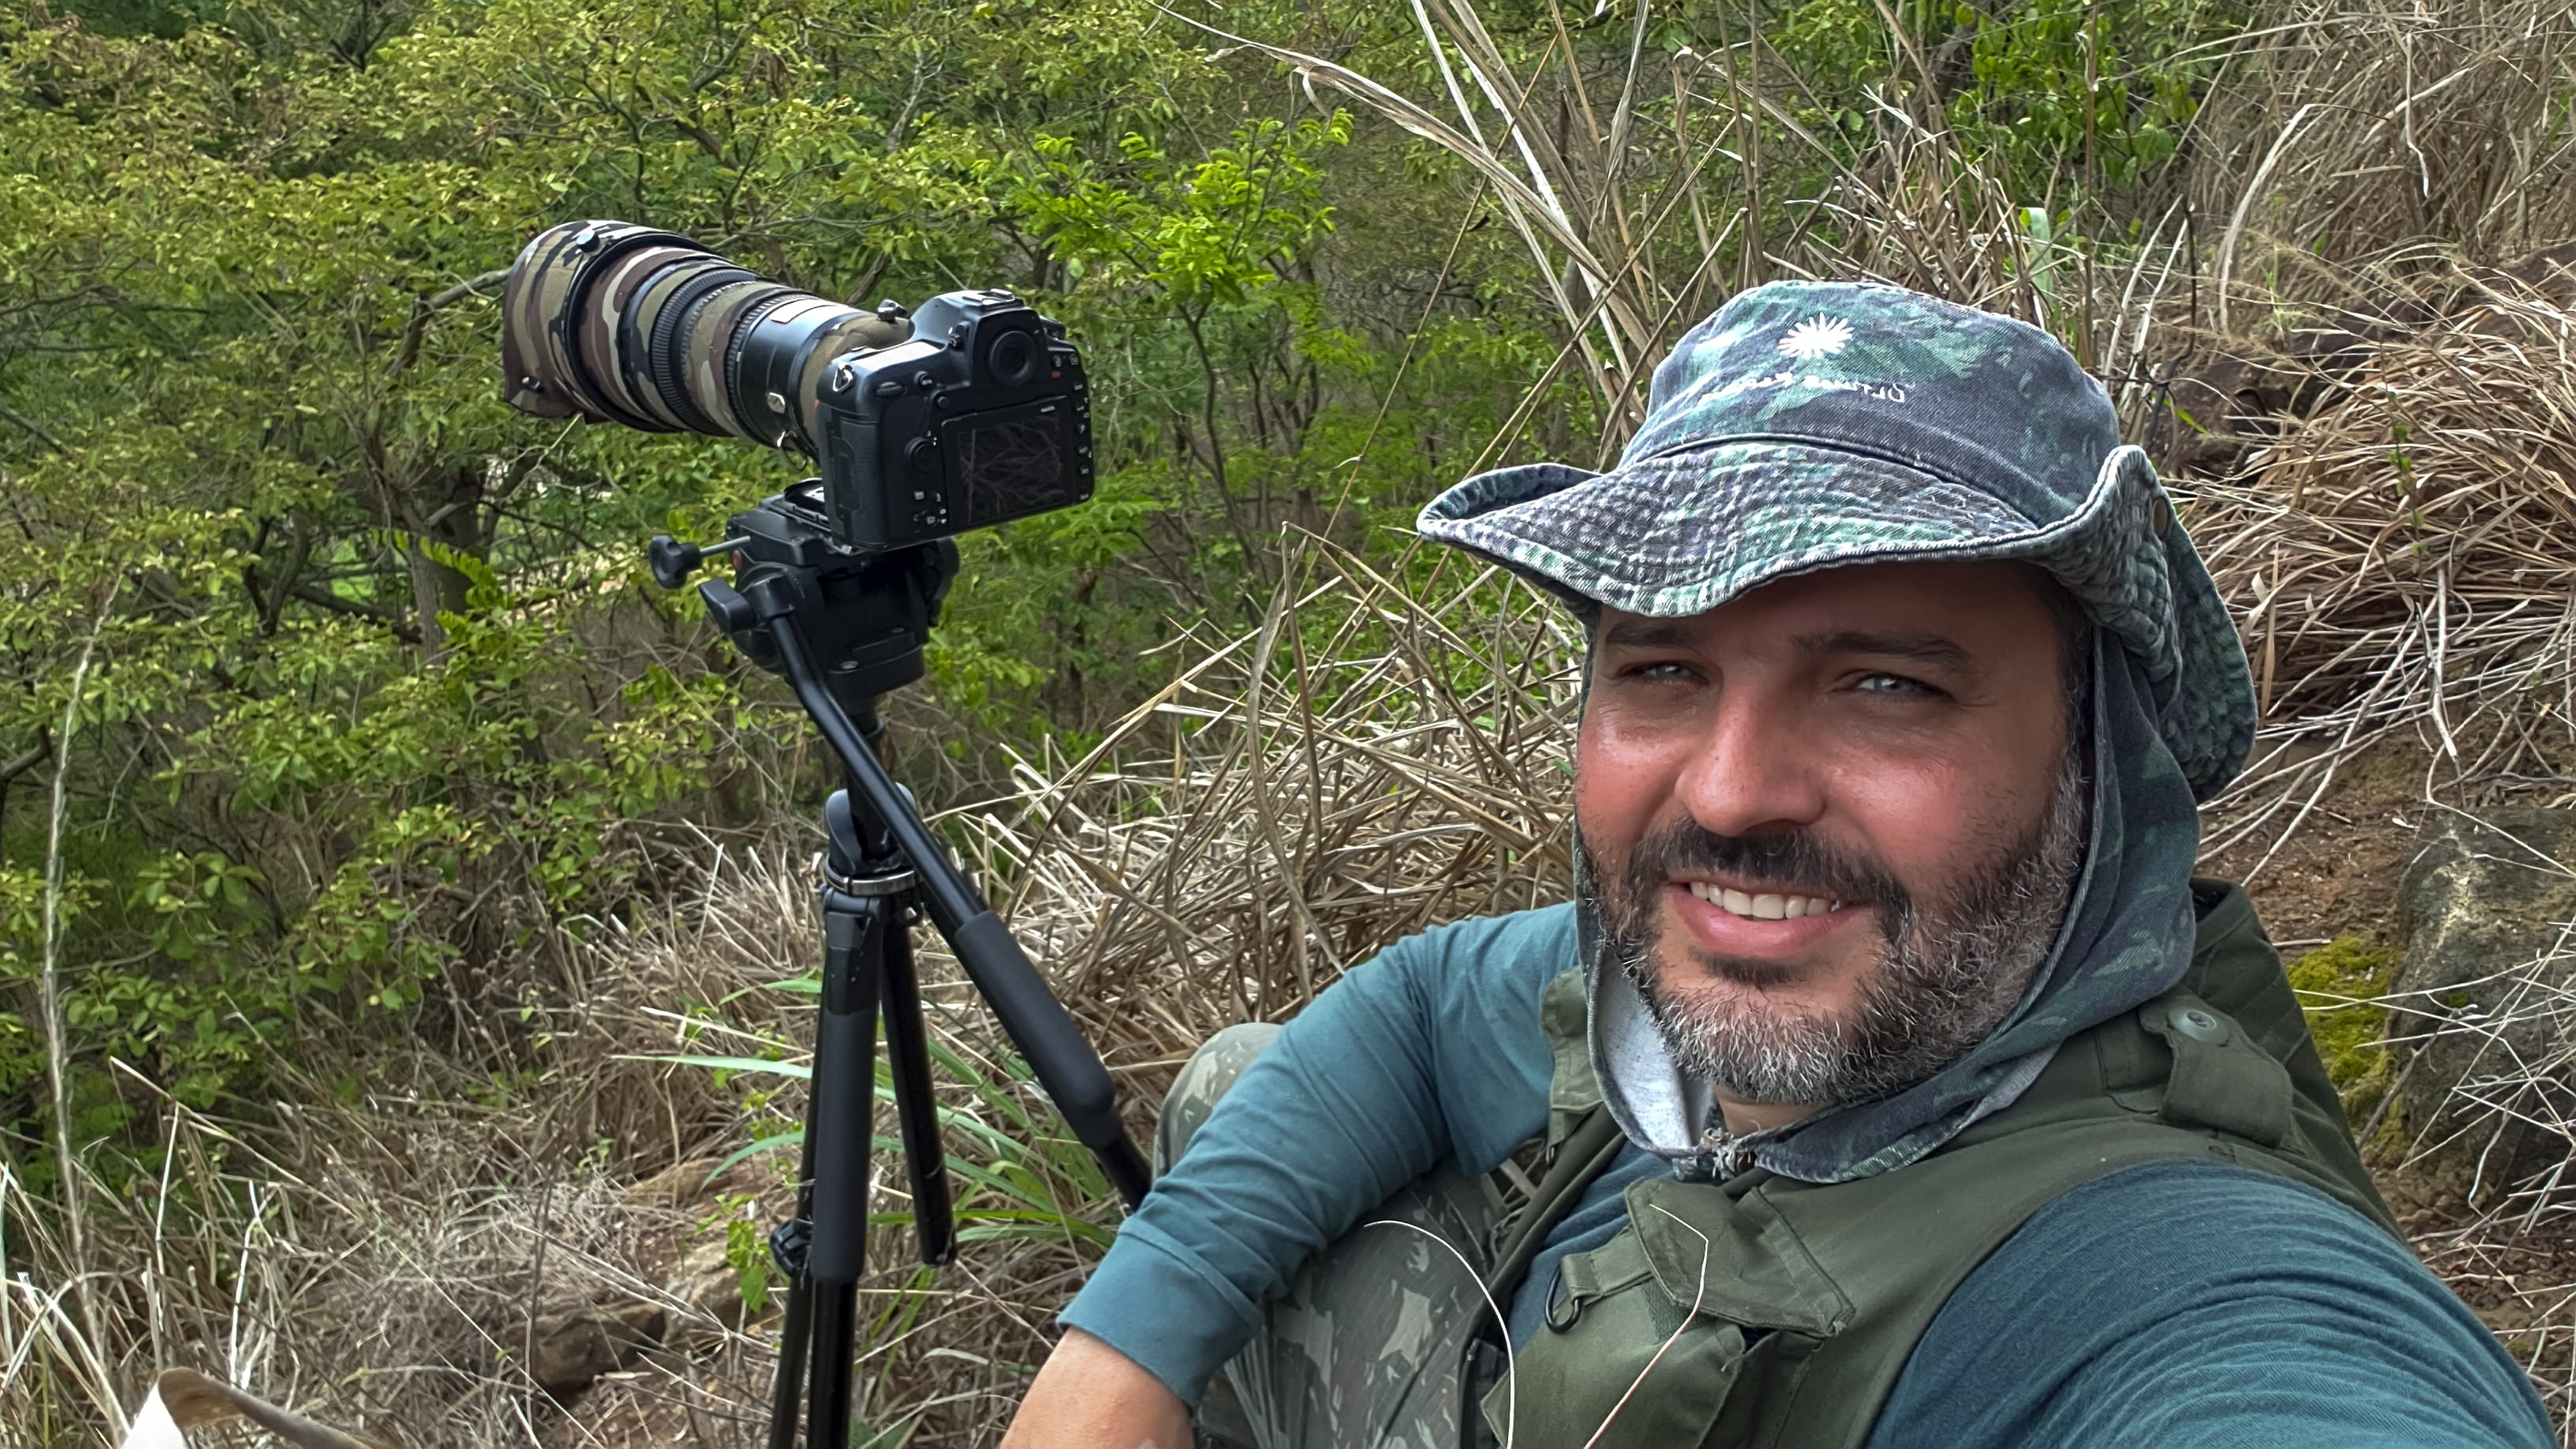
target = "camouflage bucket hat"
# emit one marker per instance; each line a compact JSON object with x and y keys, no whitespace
{"x":1817,"y":425}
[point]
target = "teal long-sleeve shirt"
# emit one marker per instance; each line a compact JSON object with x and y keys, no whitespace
{"x":2175,"y":1304}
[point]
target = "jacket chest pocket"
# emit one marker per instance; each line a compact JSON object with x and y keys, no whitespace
{"x":1618,"y":1363}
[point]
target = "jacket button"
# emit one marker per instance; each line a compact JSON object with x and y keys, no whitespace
{"x":2199,"y":1025}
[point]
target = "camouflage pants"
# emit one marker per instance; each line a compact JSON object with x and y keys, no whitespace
{"x":1369,"y":1347}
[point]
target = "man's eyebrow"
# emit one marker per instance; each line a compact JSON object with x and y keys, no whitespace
{"x":1646,"y":634}
{"x":1930,"y":649}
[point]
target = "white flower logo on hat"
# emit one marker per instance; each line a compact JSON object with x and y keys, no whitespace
{"x":1816,"y":337}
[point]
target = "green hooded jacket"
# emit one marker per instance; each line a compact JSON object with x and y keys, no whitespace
{"x":1762,"y":1310}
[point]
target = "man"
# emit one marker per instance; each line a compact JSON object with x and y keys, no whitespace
{"x":1892,"y":1080}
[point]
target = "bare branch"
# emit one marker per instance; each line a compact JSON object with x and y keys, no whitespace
{"x":422,"y":308}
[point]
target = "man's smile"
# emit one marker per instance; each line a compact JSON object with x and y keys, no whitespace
{"x":1766,"y":925}
{"x":1771,"y":904}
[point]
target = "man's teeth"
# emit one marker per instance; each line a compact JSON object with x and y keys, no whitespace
{"x":1764,"y":907}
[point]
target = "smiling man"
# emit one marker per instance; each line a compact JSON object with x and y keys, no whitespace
{"x":1890,"y":1081}
{"x":1764,"y":914}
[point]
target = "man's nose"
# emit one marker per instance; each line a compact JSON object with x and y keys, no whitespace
{"x":1754,"y":769}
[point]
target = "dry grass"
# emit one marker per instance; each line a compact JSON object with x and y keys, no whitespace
{"x":1379,"y":758}
{"x":1346,"y":777}
{"x":385,"y":1261}
{"x":2354,"y":135}
{"x":2399,"y":560}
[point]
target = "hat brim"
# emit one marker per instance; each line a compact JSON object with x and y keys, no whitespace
{"x":1687,"y":531}
{"x":1690,"y":530}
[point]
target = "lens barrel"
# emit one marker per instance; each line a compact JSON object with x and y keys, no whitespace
{"x":616,"y":322}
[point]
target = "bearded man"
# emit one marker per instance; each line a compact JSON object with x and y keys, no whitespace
{"x":1890,"y":1080}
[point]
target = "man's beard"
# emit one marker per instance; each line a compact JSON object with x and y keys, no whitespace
{"x":1948,"y":972}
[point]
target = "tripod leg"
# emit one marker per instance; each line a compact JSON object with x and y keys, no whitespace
{"x":908,"y":1053}
{"x":786,"y":1394}
{"x":787,"y":1250}
{"x":1065,"y":1065}
{"x":840,"y":1121}
{"x":839,"y":1134}
{"x":827,"y":1415}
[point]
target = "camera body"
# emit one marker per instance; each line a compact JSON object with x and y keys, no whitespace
{"x":975,"y":413}
{"x":983,"y":416}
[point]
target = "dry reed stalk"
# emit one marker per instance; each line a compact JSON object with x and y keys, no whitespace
{"x":78,"y":1263}
{"x":2399,"y":560}
{"x":2349,"y":133}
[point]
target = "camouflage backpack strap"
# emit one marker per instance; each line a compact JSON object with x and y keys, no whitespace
{"x":1582,"y":1137}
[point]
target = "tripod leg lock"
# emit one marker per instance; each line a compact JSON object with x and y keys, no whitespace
{"x":788,"y":1243}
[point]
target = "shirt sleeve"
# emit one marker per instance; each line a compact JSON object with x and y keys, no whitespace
{"x":2201,"y":1306}
{"x":1430,"y":1053}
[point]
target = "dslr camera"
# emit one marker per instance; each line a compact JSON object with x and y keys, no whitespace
{"x":969,"y":412}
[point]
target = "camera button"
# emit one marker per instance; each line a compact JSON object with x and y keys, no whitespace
{"x":891,"y":387}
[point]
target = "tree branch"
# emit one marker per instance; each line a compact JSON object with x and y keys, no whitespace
{"x":422,"y":307}
{"x":403,"y":628}
{"x":41,"y":751}
{"x":41,"y":436}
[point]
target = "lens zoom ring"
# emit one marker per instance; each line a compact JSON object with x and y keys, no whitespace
{"x":670,"y":329}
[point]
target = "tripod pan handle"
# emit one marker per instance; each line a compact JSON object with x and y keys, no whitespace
{"x":1043,"y":1030}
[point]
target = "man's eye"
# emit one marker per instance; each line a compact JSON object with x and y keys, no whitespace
{"x":1661,"y":669}
{"x":1896,"y":684}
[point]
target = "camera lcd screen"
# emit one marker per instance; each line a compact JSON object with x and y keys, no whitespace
{"x":1008,"y":462}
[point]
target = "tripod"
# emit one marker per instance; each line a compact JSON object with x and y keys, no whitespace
{"x":843,"y":628}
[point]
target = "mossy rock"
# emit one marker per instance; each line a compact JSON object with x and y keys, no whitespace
{"x":2477,"y":1027}
{"x":2341,"y":985}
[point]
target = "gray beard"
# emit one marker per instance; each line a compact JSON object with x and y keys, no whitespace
{"x":1947,"y":976}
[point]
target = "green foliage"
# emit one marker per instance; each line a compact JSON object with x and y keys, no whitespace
{"x":375,"y":659}
{"x":746,"y":1249}
{"x":1024,"y":1176}
{"x":2339,"y":986}
{"x":2059,"y":97}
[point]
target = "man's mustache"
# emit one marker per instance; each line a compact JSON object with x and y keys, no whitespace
{"x":1795,"y":858}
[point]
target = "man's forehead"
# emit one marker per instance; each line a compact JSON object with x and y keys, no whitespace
{"x":1927,"y":646}
{"x":1963,"y":603}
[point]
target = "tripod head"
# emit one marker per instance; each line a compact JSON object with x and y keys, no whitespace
{"x":865,"y":616}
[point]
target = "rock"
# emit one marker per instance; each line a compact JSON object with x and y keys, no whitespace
{"x":2484,"y":1020}
{"x":574,"y":1349}
{"x":711,"y":1289}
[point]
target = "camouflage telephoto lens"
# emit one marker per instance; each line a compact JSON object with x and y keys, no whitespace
{"x":616,"y":322}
